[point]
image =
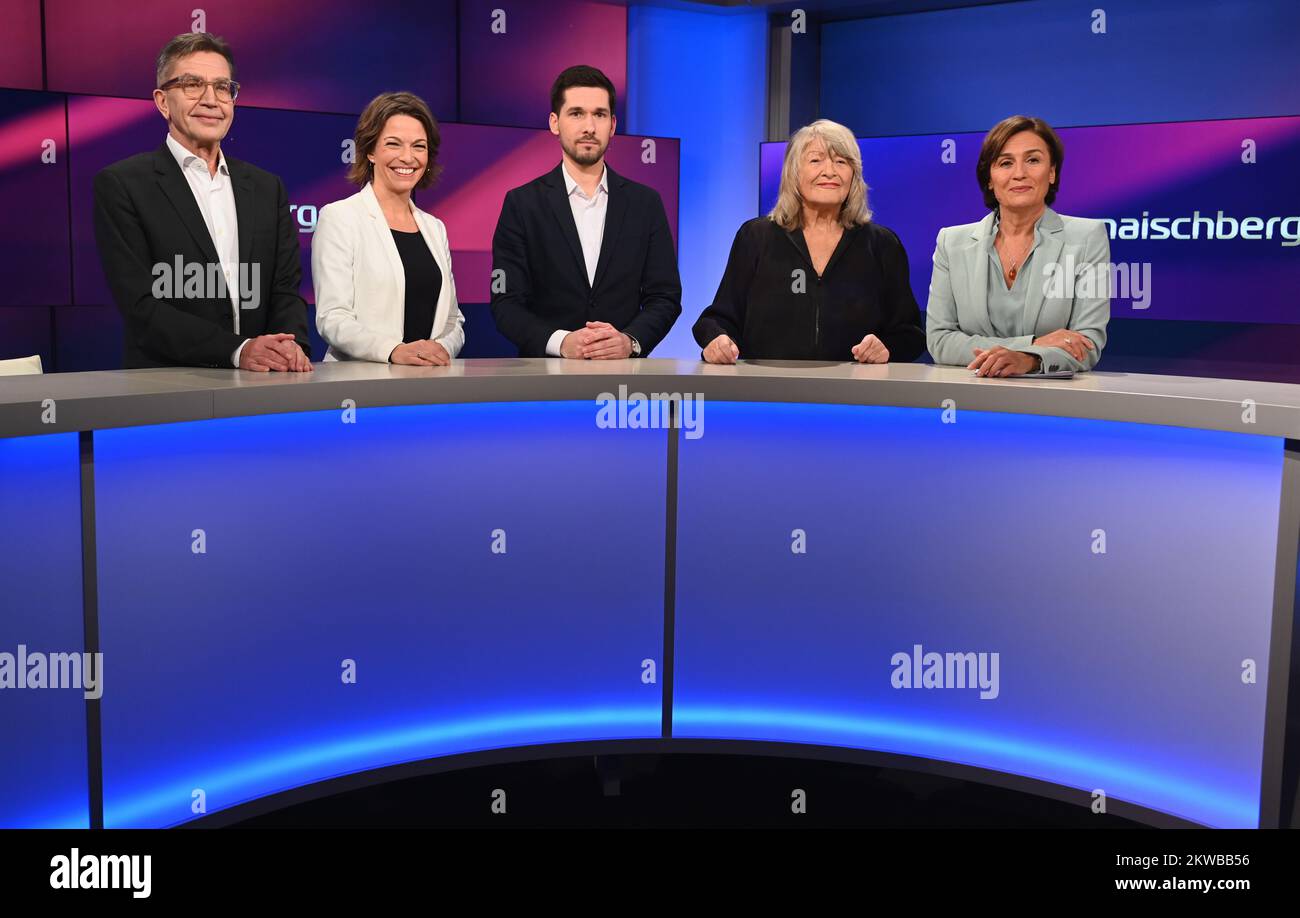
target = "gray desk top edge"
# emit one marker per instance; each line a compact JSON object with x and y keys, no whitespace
{"x":127,"y":398}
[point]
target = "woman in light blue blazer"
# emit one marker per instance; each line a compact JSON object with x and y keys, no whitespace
{"x":1025,"y":290}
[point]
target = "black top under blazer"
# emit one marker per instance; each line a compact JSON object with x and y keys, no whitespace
{"x":771,"y":312}
{"x":145,"y":214}
{"x":545,"y":286}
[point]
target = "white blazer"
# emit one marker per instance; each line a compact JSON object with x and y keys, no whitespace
{"x":361,"y":286}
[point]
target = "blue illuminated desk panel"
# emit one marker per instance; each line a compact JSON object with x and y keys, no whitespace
{"x":1082,"y":588}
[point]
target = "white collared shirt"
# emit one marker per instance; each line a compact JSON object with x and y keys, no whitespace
{"x":215,"y":196}
{"x":589,"y":217}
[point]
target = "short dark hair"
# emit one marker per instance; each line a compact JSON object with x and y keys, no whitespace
{"x":371,"y":124}
{"x":579,"y":75}
{"x":997,"y":138}
{"x":188,"y":43}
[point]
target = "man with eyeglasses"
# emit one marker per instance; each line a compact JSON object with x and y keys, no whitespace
{"x":199,"y":249}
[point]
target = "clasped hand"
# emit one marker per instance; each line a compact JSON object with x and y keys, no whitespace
{"x":279,"y":352}
{"x":598,"y":341}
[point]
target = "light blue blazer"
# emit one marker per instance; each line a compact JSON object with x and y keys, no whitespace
{"x":957,"y":315}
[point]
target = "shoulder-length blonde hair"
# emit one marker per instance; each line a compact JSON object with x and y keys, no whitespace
{"x":788,"y":212}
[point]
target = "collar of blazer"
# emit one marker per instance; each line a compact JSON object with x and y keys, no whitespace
{"x":616,"y":210}
{"x":423,"y":221}
{"x":177,"y":190}
{"x":1049,"y":222}
{"x":1048,"y":252}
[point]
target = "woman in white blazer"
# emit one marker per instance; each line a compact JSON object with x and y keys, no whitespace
{"x":381,"y":267}
{"x":1025,"y":290}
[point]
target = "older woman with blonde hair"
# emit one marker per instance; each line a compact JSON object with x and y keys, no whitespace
{"x":815,"y":279}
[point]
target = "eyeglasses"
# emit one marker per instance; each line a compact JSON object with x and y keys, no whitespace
{"x":194,"y":87}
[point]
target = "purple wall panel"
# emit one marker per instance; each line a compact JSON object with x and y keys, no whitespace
{"x":330,"y":55}
{"x":505,"y":77}
{"x":24,"y":331}
{"x":20,"y":45}
{"x":34,"y":196}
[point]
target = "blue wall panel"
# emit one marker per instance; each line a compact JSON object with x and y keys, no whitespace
{"x":701,"y":77}
{"x":967,"y":69}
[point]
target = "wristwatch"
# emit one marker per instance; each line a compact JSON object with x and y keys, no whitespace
{"x":636,"y":345}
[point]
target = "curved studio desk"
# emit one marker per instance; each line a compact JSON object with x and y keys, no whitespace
{"x":508,"y":579}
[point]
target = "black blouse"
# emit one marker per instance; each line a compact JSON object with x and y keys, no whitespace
{"x":423,"y":285}
{"x":864,"y":290}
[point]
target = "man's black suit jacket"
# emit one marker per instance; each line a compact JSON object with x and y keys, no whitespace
{"x":637,"y":288}
{"x":146,"y":215}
